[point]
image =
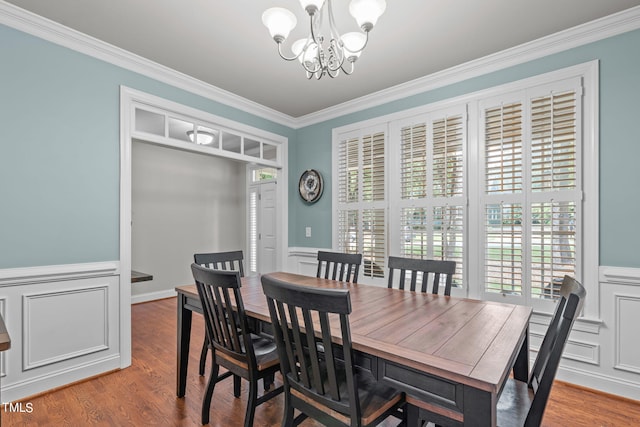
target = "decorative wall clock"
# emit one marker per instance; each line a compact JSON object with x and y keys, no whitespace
{"x":310,"y":186}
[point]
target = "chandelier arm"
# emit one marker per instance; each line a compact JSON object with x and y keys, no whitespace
{"x":315,"y":21}
{"x":366,"y":40}
{"x":353,"y":67}
{"x":333,"y":29}
{"x":286,"y":58}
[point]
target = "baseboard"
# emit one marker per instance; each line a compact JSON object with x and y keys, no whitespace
{"x":38,"y":385}
{"x":602,"y":383}
{"x":152,"y":296}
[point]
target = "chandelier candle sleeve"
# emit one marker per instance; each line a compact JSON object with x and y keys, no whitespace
{"x":324,"y":51}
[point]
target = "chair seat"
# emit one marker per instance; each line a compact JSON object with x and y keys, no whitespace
{"x":375,"y":397}
{"x":265,"y":350}
{"x":514,"y":403}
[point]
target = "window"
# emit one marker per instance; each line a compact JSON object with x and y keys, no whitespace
{"x":531,"y":191}
{"x":361,"y":201}
{"x":226,"y":139}
{"x":263,"y":174}
{"x":492,"y":180}
{"x":431,"y":210}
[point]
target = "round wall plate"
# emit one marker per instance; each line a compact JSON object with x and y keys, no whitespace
{"x":310,"y":186}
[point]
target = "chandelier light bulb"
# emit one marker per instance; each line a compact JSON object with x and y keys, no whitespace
{"x":309,"y":57}
{"x":280,"y":22}
{"x":353,"y":44}
{"x":367,"y":12}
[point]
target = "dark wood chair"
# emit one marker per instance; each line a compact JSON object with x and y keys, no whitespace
{"x":427,"y":267}
{"x":523,"y":404}
{"x":339,"y":266}
{"x":327,"y":387}
{"x":231,"y":260}
{"x":235,"y":348}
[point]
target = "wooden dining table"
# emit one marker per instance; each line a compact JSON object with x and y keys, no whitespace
{"x":451,"y":356}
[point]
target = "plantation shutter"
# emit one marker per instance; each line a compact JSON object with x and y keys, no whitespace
{"x":361,"y":213}
{"x":253,"y":230}
{"x":531,"y":193}
{"x":502,"y":214}
{"x":448,"y":171}
{"x":373,"y":197}
{"x":554,"y":142}
{"x":432,"y":201}
{"x":348,"y":186}
{"x":414,"y":218}
{"x":413,"y":163}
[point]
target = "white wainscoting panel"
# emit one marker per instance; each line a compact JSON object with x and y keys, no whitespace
{"x":627,"y":319}
{"x":304,"y":260}
{"x":64,"y":324}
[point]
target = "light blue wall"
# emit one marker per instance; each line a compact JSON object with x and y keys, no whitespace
{"x":59,"y":150}
{"x":619,"y":144}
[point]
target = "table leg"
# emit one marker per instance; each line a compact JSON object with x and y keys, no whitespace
{"x":184,"y":338}
{"x":521,"y":365}
{"x":480,"y":408}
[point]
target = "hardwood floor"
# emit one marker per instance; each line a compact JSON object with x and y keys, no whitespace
{"x":144,"y":394}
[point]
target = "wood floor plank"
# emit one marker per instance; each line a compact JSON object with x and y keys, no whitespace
{"x":144,"y":394}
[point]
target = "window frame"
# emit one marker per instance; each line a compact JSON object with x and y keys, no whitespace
{"x":588,"y":166}
{"x":526,"y":196}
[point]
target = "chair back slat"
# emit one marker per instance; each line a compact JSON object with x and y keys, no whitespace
{"x":287,"y":337}
{"x":339,"y":266}
{"x":546,"y":365}
{"x":320,"y":376}
{"x":231,"y":260}
{"x":226,"y":329}
{"x":316,"y":376}
{"x":426,"y":268}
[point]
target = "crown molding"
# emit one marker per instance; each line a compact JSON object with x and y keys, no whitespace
{"x":36,"y":25}
{"x":618,"y":23}
{"x":612,"y":25}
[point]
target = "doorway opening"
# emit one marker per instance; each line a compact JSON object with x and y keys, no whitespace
{"x":164,"y":123}
{"x":262,"y":233}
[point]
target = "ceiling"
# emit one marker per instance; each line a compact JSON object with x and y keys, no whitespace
{"x":223,"y":43}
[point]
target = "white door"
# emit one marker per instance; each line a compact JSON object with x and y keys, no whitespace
{"x":263,"y":230}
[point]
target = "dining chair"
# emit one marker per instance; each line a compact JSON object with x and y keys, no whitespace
{"x":523,"y":404}
{"x":235,"y":348}
{"x":329,"y":387}
{"x":231,"y":260}
{"x":339,"y":266}
{"x":425,"y":267}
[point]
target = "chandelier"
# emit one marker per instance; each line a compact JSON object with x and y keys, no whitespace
{"x":324,"y":52}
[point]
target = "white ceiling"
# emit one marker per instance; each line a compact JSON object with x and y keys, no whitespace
{"x":224,"y":43}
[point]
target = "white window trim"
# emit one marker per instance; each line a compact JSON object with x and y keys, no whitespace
{"x":589,"y":74}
